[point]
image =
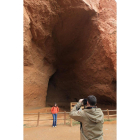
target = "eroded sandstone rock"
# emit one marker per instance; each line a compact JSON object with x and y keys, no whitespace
{"x":74,"y":43}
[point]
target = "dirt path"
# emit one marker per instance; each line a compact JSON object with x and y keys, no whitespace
{"x":65,"y":132}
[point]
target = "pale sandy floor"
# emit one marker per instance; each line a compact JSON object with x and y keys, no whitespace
{"x":64,"y":132}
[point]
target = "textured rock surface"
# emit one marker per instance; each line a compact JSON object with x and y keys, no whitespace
{"x":36,"y":70}
{"x":74,"y":43}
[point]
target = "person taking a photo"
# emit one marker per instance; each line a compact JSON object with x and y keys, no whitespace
{"x":91,"y":119}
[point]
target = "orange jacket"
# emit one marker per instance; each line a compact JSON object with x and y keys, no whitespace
{"x":55,"y":109}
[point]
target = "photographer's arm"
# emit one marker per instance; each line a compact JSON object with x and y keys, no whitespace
{"x":75,"y":113}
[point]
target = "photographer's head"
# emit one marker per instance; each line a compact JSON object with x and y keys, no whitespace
{"x":91,"y":100}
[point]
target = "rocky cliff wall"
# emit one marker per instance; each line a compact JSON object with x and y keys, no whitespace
{"x":69,"y":51}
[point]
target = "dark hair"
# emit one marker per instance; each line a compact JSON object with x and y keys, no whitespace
{"x":92,"y":100}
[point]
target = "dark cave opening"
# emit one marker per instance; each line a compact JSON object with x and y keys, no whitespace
{"x":63,"y":97}
{"x":71,"y":42}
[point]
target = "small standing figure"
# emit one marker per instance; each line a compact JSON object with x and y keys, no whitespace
{"x":55,"y":110}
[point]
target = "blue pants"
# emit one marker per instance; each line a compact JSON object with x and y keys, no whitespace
{"x":54,"y":119}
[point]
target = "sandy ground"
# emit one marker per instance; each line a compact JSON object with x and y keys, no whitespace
{"x":65,"y":132}
{"x":45,"y":131}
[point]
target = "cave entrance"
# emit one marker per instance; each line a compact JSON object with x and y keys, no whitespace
{"x":63,"y":91}
{"x":64,"y":96}
{"x":74,"y":78}
{"x":70,"y":37}
{"x":57,"y":95}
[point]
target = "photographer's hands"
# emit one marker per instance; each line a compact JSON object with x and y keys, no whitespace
{"x":80,"y":101}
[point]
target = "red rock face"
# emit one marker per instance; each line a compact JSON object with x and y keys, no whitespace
{"x":69,"y":51}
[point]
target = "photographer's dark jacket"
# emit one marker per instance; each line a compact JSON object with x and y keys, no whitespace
{"x":92,"y":120}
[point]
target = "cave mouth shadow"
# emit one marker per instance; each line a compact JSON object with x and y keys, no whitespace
{"x":55,"y":95}
{"x":64,"y":97}
{"x":69,"y":46}
{"x":68,"y":49}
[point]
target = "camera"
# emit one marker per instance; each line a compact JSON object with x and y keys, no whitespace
{"x":85,"y":102}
